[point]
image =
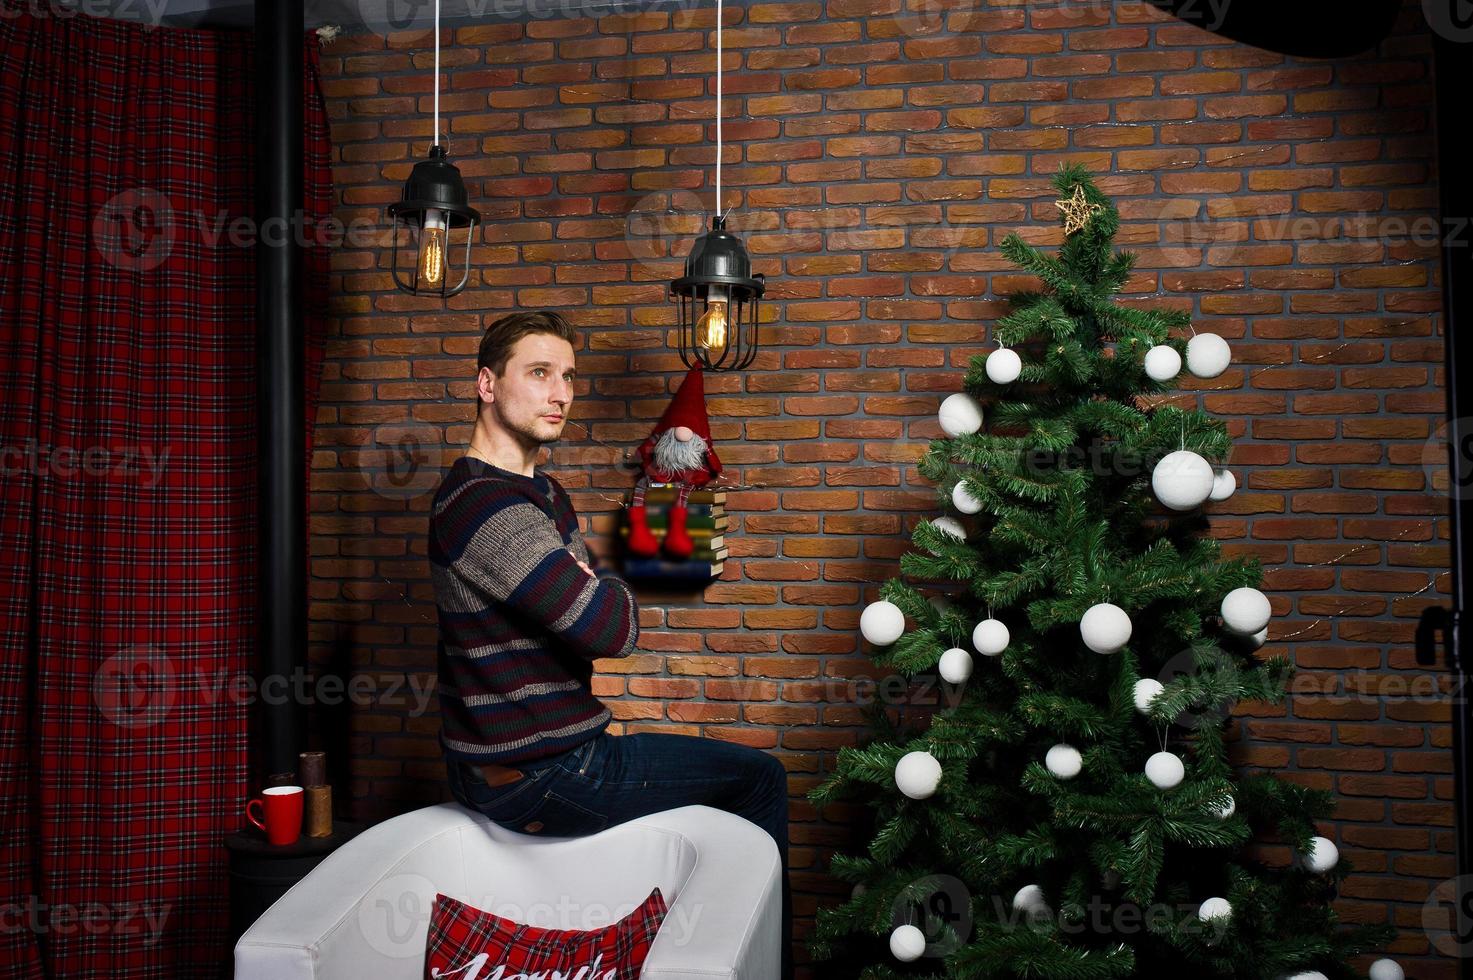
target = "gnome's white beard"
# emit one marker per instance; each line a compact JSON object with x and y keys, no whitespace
{"x":673,"y":456}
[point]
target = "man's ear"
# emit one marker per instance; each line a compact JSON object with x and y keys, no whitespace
{"x":486,"y":380}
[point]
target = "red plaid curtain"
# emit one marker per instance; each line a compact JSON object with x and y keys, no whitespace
{"x":127,"y":524}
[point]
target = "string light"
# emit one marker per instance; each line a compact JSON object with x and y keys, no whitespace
{"x":1326,"y":619}
{"x":1372,"y":544}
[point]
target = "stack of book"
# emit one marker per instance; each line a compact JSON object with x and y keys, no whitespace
{"x":705,"y":522}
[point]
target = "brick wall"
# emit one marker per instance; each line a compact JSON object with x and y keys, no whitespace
{"x":873,"y":161}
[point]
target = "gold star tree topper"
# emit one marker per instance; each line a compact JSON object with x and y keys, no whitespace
{"x":1076,"y":210}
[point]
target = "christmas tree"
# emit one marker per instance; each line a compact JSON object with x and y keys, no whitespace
{"x":1071,"y":812}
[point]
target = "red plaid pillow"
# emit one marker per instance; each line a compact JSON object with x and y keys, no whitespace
{"x":465,"y":943}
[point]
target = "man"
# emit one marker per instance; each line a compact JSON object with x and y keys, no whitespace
{"x":525,"y":610}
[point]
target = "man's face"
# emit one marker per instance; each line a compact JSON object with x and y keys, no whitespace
{"x":532,"y":396}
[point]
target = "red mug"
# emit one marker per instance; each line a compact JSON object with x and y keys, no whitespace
{"x":282,"y":806}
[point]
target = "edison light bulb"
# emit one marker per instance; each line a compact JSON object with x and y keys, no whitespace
{"x":432,"y":248}
{"x":711,"y":327}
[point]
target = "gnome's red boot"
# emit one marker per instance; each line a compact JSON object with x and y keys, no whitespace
{"x":677,"y":541}
{"x":641,"y":541}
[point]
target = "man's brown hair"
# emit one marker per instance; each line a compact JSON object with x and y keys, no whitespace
{"x":502,"y":336}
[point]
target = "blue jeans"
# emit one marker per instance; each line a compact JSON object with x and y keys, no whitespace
{"x":613,"y":778}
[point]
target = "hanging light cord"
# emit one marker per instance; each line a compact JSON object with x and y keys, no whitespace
{"x":718,"y":106}
{"x":436,"y":140}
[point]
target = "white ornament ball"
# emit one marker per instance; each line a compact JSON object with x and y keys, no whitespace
{"x":1223,"y":485}
{"x":1145,"y":691}
{"x":1028,"y":898}
{"x":1259,"y":638}
{"x":1384,"y":969}
{"x":858,"y":890}
{"x":1226,"y":810}
{"x":907,"y":943}
{"x":917,"y":774}
{"x":1105,"y":627}
{"x":955,"y":666}
{"x":1215,"y":908}
{"x":1164,"y":770}
{"x":1309,"y":975}
{"x":1208,"y":355}
{"x":881,"y":623}
{"x":991,"y":637}
{"x":1064,"y":761}
{"x":1162,"y":363}
{"x":964,"y":501}
{"x":1321,"y":856}
{"x":1246,"y":611}
{"x":960,"y":414}
{"x":1182,"y":480}
{"x":1003,"y":366}
{"x":940,"y":603}
{"x":950,"y":527}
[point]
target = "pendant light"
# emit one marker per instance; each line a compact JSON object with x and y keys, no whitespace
{"x":433,"y":205}
{"x":718,"y":294}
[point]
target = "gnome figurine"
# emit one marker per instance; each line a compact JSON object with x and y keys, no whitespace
{"x":678,"y":451}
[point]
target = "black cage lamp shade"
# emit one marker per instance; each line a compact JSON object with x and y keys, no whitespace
{"x":434,"y":204}
{"x":719,"y":298}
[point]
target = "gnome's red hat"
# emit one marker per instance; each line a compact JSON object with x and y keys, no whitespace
{"x":687,"y":408}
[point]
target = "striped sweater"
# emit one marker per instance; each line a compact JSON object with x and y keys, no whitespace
{"x":520,"y":622}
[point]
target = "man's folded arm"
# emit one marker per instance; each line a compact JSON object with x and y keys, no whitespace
{"x":602,"y":571}
{"x":516,"y":556}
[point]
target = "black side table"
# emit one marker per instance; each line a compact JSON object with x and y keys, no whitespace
{"x":262,"y":872}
